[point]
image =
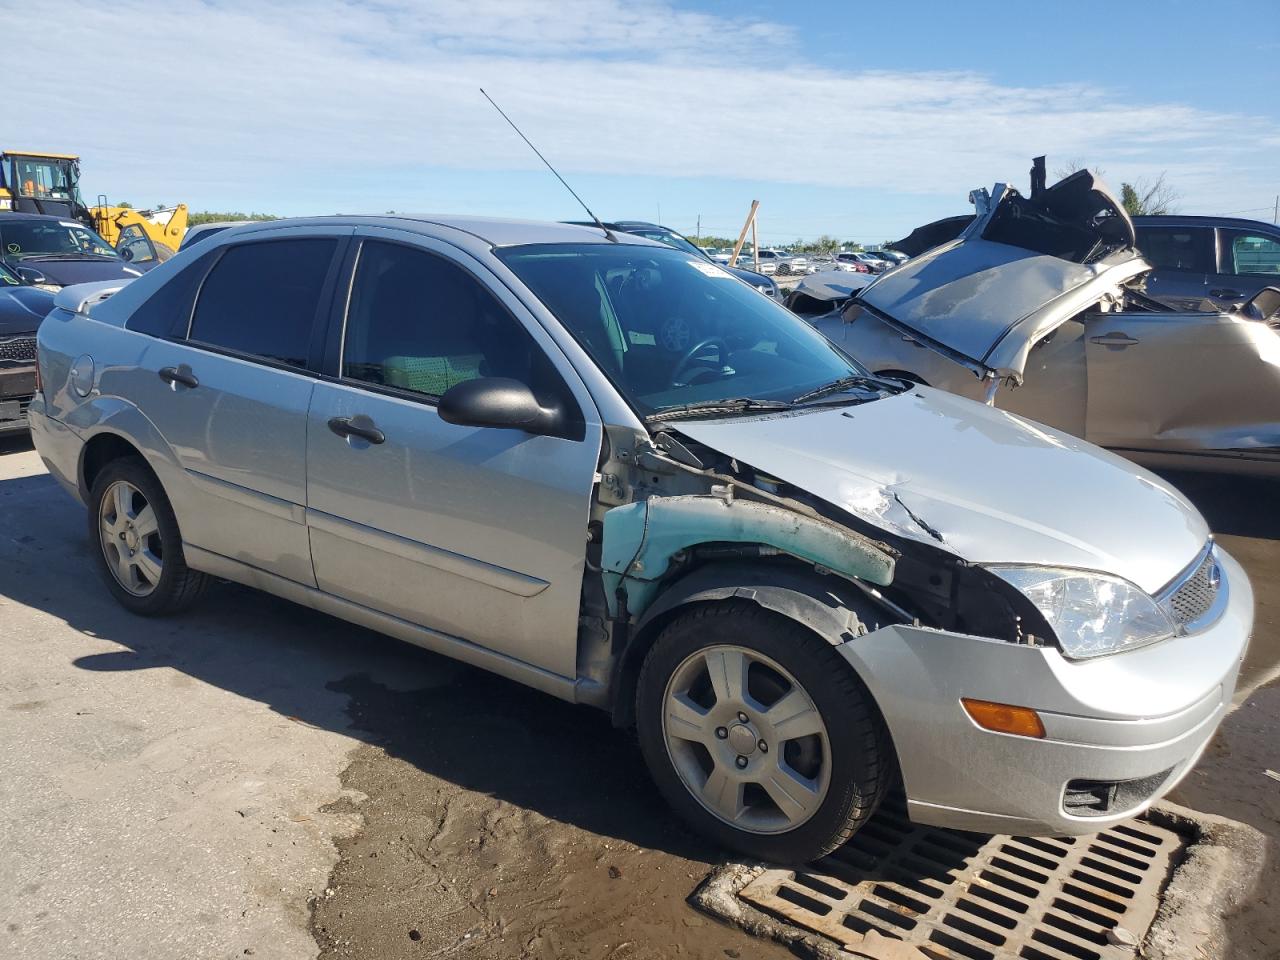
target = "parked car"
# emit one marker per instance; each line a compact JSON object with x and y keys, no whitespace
{"x":1038,"y":306}
{"x":203,"y":231}
{"x":50,"y":252}
{"x":669,"y":237}
{"x":22,"y":307}
{"x":1220,"y":262}
{"x":790,"y":264}
{"x":893,"y":257}
{"x":873,"y":264}
{"x":801,"y":583}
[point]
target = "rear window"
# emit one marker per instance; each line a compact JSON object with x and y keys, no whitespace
{"x":261,"y":299}
{"x":1178,"y":248}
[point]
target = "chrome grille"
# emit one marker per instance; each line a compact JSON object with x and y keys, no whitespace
{"x":1194,"y":596}
{"x":18,"y":349}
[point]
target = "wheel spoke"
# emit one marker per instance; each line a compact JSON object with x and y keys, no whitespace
{"x":127,"y":572}
{"x":723,"y":793}
{"x":146,"y":524}
{"x":794,"y":716}
{"x":147,"y":562}
{"x":727,"y":669}
{"x":796,"y":796}
{"x":122,"y":499}
{"x":110,"y":532}
{"x":686,"y":720}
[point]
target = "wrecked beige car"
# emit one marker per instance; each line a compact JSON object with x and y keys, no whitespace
{"x":1037,"y":307}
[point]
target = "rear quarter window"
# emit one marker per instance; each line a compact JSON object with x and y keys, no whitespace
{"x":167,"y":312}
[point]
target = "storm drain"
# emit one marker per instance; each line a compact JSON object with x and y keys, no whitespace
{"x":979,"y":897}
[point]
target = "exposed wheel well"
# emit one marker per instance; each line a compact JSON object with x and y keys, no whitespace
{"x":100,"y":451}
{"x":799,"y":594}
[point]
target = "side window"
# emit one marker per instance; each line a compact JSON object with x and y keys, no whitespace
{"x":418,"y":322}
{"x":1189,"y":249}
{"x":261,"y":299}
{"x":1250,"y":254}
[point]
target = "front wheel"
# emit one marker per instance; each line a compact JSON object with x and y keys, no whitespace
{"x":759,"y":734}
{"x":137,"y":544}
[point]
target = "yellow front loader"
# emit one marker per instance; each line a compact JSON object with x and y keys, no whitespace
{"x":36,"y":182}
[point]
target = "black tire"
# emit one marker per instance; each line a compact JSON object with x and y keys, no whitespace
{"x":862,"y":760}
{"x":178,"y":586}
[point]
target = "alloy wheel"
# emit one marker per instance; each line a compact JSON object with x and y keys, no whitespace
{"x":130,"y":537}
{"x":746,"y":740}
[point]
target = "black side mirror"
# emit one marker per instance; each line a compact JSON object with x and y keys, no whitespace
{"x":497,"y":402}
{"x":29,"y":275}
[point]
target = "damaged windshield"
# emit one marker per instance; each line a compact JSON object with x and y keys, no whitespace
{"x":671,"y":330}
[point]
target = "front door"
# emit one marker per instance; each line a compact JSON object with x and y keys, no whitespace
{"x":478,"y":533}
{"x":1248,"y":260}
{"x":1184,"y":383}
{"x":230,"y":397}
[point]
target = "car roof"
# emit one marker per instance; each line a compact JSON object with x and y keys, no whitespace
{"x":15,"y":215}
{"x":494,"y":231}
{"x":1199,"y":220}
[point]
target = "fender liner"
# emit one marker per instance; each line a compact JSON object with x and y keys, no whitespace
{"x":827,"y":604}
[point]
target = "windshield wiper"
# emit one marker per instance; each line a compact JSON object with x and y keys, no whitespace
{"x":844,"y":383}
{"x":724,"y":405}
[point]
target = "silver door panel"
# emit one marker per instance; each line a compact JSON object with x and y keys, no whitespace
{"x":240,"y":437}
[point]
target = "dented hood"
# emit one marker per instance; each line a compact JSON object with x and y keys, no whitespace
{"x":982,"y":483}
{"x":1018,"y":271}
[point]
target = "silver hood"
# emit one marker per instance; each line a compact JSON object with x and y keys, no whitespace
{"x":1020,"y":270}
{"x":984,"y":484}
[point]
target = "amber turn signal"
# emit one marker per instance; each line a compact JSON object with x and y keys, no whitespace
{"x":1003,"y":718}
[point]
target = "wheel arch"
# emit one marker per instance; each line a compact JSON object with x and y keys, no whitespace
{"x":119,"y":429}
{"x":827,"y":605}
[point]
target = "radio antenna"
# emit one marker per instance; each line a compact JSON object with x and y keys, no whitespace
{"x":607,"y":232}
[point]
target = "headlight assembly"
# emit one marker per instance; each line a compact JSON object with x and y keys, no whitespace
{"x":1092,"y":614}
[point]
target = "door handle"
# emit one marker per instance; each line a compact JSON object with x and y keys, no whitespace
{"x":1226,"y":293}
{"x":176,"y":375}
{"x":357,"y":426}
{"x":1114,"y":340}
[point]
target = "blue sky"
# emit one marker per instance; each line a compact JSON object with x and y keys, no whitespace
{"x":859,"y":120}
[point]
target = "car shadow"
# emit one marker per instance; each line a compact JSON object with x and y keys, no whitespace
{"x":1237,"y":506}
{"x":451,"y":721}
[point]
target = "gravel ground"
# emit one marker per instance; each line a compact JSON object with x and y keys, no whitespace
{"x":242,"y":779}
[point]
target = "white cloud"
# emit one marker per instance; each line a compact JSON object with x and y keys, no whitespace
{"x":190,"y":98}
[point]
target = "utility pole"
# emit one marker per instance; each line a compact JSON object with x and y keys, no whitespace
{"x":698,"y":235}
{"x":1275,"y":217}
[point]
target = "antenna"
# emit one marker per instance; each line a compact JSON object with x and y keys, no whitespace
{"x":607,"y":232}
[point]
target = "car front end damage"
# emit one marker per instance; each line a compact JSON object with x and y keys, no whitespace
{"x":998,"y":722}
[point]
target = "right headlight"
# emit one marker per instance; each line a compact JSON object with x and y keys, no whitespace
{"x":1091,"y":614}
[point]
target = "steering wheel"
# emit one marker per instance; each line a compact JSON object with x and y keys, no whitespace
{"x":690,"y":357}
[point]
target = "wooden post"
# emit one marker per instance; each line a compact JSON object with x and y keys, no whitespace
{"x":737,"y":247}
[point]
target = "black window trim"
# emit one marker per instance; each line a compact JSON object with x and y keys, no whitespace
{"x":315,"y":346}
{"x":335,"y":340}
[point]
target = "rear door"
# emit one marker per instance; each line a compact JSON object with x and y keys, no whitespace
{"x":228,"y":387}
{"x":1182,"y":382}
{"x":478,"y":533}
{"x":1184,"y":261}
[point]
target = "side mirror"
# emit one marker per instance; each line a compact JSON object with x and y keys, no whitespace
{"x":30,"y":275}
{"x":497,"y":402}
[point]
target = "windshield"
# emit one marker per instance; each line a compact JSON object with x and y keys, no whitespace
{"x":45,"y":238}
{"x":673,"y":240}
{"x":44,"y":178}
{"x":669,"y":329}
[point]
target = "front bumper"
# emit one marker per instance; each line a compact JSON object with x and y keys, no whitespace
{"x":1138,"y":719}
{"x":17,"y":384}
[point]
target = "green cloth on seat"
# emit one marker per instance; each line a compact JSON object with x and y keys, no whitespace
{"x":433,"y":375}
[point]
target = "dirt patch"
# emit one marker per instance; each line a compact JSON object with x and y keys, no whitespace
{"x":503,"y":823}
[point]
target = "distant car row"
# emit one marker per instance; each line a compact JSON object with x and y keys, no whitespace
{"x":783,"y":263}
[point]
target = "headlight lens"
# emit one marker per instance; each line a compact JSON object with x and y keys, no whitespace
{"x":1091,"y":613}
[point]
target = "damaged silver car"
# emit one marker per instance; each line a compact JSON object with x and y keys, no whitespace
{"x":605,"y":468}
{"x":1038,"y":307}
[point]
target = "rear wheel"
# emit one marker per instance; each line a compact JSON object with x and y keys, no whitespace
{"x":759,"y":734}
{"x":138,"y":546}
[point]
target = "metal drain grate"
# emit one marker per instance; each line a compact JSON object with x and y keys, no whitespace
{"x":967,"y":896}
